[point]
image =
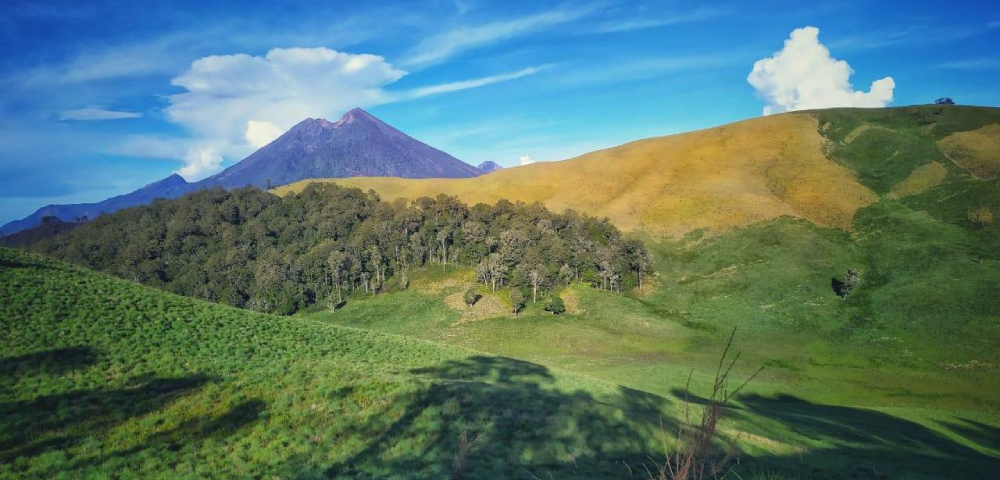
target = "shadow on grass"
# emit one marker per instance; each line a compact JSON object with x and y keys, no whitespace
{"x":849,"y":443}
{"x":522,"y":427}
{"x":61,"y":421}
{"x":519,"y":425}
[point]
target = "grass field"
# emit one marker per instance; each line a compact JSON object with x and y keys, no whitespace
{"x":106,"y":379}
{"x":913,"y":350}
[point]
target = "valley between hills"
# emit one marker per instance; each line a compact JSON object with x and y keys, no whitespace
{"x":385,"y":327}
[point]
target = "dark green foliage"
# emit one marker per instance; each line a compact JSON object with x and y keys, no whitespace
{"x":843,"y":287}
{"x":471,"y":296}
{"x":555,"y":305}
{"x":516,"y":300}
{"x":252,"y":249}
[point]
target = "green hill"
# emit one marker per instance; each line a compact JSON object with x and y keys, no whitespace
{"x":107,"y":379}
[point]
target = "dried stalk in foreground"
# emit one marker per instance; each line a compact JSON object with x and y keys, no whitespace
{"x":692,"y":457}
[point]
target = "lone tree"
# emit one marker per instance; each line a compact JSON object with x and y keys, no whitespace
{"x":337,"y":261}
{"x":843,"y":287}
{"x":516,"y":300}
{"x":471,"y":296}
{"x":537,"y":276}
{"x":944,"y":101}
{"x":556,"y":306}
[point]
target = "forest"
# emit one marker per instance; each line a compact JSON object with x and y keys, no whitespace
{"x":251,"y":249}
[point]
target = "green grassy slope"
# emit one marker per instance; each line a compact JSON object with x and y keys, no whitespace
{"x":839,"y":397}
{"x":106,"y":379}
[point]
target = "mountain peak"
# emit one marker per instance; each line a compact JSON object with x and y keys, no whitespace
{"x":355,"y":114}
{"x":489,"y":166}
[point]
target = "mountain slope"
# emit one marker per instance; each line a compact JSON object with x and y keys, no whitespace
{"x":489,"y":166}
{"x":797,"y":164}
{"x":172,"y":186}
{"x":358,"y":144}
{"x":718,"y":178}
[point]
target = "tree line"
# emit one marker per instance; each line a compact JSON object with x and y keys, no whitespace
{"x":251,"y":249}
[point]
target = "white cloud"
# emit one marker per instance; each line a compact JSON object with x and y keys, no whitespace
{"x":234,"y":104}
{"x":144,"y":146}
{"x":803,"y":75}
{"x":975,"y":64}
{"x":478,"y":82}
{"x":696,"y":15}
{"x":261,"y":133}
{"x":525,"y":160}
{"x":437,"y":48}
{"x":200,"y":162}
{"x":96,"y":113}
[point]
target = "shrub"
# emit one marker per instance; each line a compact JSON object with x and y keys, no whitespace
{"x":556,"y":306}
{"x":471,"y":296}
{"x":516,"y":300}
{"x":843,"y":287}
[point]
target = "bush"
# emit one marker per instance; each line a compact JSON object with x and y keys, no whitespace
{"x":516,"y":300}
{"x":471,"y":296}
{"x":555,"y":306}
{"x":843,"y":287}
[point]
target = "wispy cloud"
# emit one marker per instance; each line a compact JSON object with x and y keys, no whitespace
{"x":911,"y":36}
{"x":973,"y":64}
{"x":157,"y":56}
{"x":662,"y":20}
{"x":644,"y":68}
{"x":466,"y":84}
{"x":437,"y":48}
{"x":96,"y":113}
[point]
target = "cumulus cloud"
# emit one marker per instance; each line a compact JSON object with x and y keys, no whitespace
{"x":803,"y":75}
{"x":261,"y":133}
{"x":96,"y":113}
{"x":525,"y":160}
{"x":233,"y":104}
{"x":200,"y":161}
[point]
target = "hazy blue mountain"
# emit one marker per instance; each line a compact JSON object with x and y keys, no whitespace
{"x":356,"y":145}
{"x":169,"y":187}
{"x":489,"y":166}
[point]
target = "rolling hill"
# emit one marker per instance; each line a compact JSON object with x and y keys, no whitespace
{"x":104,"y":378}
{"x":821,"y":166}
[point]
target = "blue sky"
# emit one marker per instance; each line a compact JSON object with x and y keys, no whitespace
{"x":100,"y":98}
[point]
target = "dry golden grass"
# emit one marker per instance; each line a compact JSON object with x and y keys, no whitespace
{"x":572,"y":301}
{"x":489,"y":306}
{"x":720,"y":178}
{"x":977,"y":151}
{"x":919,"y":180}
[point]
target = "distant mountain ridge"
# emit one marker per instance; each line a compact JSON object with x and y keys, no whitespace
{"x":358,"y":144}
{"x":489,"y":166}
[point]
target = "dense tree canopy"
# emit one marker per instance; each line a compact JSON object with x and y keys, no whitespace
{"x":252,"y":249}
